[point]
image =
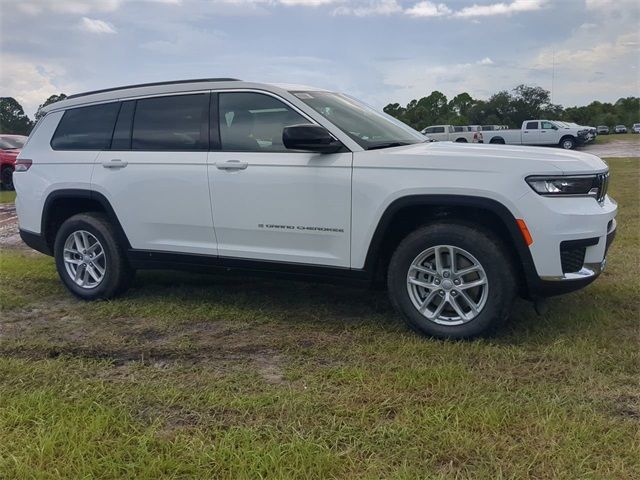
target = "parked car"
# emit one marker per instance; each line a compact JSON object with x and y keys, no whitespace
{"x":10,"y":146}
{"x":492,"y":127}
{"x":308,"y":183}
{"x":539,"y":132}
{"x":603,"y":130}
{"x":635,"y":128}
{"x":620,"y":129}
{"x":446,"y":133}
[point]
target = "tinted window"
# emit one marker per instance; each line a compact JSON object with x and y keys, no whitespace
{"x":86,"y":128}
{"x":429,"y":130}
{"x":253,"y":122}
{"x":532,"y":126}
{"x":171,"y":123}
{"x":438,"y":130}
{"x":122,"y":133}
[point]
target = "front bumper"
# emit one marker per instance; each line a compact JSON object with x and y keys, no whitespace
{"x":582,"y":225}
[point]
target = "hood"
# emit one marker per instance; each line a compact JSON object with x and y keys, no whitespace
{"x":477,"y":156}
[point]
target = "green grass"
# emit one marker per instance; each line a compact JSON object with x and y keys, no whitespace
{"x":7,"y":196}
{"x":193,"y":376}
{"x":628,"y":137}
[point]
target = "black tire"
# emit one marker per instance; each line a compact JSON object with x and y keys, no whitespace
{"x":461,"y":140}
{"x":6,"y":178}
{"x":489,"y":252}
{"x":497,"y":141}
{"x":118,"y":273}
{"x":567,"y":143}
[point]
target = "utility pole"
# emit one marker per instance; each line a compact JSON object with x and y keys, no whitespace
{"x":553,"y":74}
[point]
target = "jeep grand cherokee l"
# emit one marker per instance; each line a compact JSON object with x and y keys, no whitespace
{"x":225,"y":174}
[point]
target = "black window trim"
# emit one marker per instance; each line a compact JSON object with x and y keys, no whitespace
{"x":215,"y":143}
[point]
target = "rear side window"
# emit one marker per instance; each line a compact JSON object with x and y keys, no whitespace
{"x":86,"y":128}
{"x":171,"y":123}
{"x":532,"y":126}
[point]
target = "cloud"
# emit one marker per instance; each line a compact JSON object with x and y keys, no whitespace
{"x":92,"y":25}
{"x":428,"y":9}
{"x":381,"y":7}
{"x":32,"y":82}
{"x":516,"y":6}
{"x":77,"y":7}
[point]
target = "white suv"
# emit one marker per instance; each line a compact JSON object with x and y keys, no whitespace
{"x":219,"y":173}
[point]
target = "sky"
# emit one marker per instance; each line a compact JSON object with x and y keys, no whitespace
{"x":381,"y":51}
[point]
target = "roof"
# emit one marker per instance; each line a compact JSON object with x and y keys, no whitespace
{"x":159,"y":88}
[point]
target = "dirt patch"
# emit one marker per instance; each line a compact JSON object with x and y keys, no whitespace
{"x":617,"y":149}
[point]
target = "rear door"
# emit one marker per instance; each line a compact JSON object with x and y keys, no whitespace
{"x":531,"y":133}
{"x":155,"y":173}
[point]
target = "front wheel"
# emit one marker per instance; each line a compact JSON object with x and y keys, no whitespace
{"x":90,"y":261}
{"x":568,"y":143}
{"x":451,"y":281}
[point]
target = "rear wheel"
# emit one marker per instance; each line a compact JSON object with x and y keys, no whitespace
{"x":6,"y":178}
{"x":452,"y":281}
{"x":568,"y":143}
{"x":461,"y":140}
{"x":90,"y":262}
{"x":498,"y":141}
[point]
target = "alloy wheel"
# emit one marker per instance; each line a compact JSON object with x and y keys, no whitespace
{"x":447,"y":285}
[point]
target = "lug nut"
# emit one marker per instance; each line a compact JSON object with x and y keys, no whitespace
{"x":437,"y":282}
{"x":457,"y":282}
{"x":441,"y":293}
{"x":445,"y":274}
{"x":454,"y":293}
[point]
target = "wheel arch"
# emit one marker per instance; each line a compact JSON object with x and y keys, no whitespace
{"x":62,"y":204}
{"x":408,"y":213}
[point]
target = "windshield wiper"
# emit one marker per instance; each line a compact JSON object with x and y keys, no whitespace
{"x":387,"y":145}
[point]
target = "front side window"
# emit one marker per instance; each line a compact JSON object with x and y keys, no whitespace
{"x":532,"y":125}
{"x":429,"y":130}
{"x":253,"y":122}
{"x":547,"y":125}
{"x":176,"y":123}
{"x":86,"y":128}
{"x":438,"y":129}
{"x":367,"y":127}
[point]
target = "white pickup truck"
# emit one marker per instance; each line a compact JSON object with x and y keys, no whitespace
{"x":452,"y":133}
{"x":540,"y":132}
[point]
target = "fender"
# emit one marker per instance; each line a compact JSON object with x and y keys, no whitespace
{"x":77,"y":193}
{"x":503,"y":213}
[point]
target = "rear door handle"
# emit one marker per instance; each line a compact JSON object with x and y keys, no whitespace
{"x":114,"y":163}
{"x":232,"y":165}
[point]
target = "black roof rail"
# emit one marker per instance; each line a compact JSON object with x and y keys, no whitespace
{"x":154,"y":84}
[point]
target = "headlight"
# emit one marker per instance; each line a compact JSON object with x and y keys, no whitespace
{"x":578,"y":185}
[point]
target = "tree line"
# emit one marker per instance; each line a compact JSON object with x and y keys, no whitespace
{"x":503,"y":108}
{"x":13,"y":119}
{"x":511,"y":108}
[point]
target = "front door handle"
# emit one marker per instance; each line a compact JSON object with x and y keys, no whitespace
{"x":232,"y":165}
{"x":114,"y":163}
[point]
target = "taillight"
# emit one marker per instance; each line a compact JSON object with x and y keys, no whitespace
{"x":22,"y":165}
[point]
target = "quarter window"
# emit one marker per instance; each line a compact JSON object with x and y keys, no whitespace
{"x":86,"y":128}
{"x":253,"y":122}
{"x":171,"y":123}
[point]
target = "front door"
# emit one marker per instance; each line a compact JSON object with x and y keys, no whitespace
{"x":270,"y":203}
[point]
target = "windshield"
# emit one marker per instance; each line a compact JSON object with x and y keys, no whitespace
{"x":10,"y":143}
{"x":368,"y":128}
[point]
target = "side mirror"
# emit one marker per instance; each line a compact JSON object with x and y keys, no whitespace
{"x":554,"y":127}
{"x":311,"y":138}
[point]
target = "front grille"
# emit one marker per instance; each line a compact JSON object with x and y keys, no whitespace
{"x":572,"y":259}
{"x":602,"y":183}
